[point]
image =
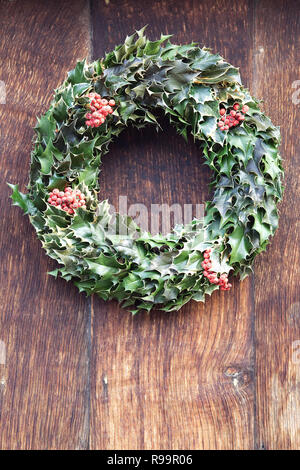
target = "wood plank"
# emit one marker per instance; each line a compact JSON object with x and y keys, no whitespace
{"x":185,"y":380}
{"x":44,"y":324}
{"x":277,"y":272}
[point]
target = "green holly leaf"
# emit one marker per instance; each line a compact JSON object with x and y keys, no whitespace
{"x":77,"y":75}
{"x":220,"y":264}
{"x":179,"y":75}
{"x":241,"y":140}
{"x":45,"y":127}
{"x":104,"y":265}
{"x":153,"y":47}
{"x":240,"y":246}
{"x":208,"y":126}
{"x":80,"y":88}
{"x":21,"y":200}
{"x":271,"y":214}
{"x":60,"y":111}
{"x":262,"y":228}
{"x":226,"y":163}
{"x":204,"y":60}
{"x":46,"y":159}
{"x":201,"y":93}
{"x":221,"y":72}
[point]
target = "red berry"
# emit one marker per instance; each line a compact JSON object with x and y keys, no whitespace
{"x":222,"y":111}
{"x":245,"y":108}
{"x":233,"y":113}
{"x":111,"y":102}
{"x":236,"y":106}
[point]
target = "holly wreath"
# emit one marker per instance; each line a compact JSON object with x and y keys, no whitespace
{"x":108,"y":254}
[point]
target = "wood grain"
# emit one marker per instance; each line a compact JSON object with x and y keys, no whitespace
{"x":44,"y":384}
{"x":277,"y":275}
{"x":185,"y":380}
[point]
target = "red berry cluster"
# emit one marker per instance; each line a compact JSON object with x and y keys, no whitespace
{"x":100,"y":108}
{"x":212,"y":276}
{"x":233,"y":118}
{"x":67,"y":200}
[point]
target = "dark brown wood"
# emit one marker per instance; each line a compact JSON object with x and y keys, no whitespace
{"x":277,"y":278}
{"x":185,"y":380}
{"x":83,"y":373}
{"x":44,"y":324}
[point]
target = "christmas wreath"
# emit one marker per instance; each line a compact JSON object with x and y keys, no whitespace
{"x":108,"y":254}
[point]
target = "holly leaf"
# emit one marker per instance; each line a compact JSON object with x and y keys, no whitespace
{"x":226,"y":163}
{"x":201,"y":93}
{"x":46,"y":159}
{"x":45,"y":127}
{"x":60,"y":110}
{"x":21,"y":200}
{"x":240,"y":246}
{"x":204,"y":60}
{"x":77,"y":75}
{"x":104,"y":265}
{"x":262,"y":228}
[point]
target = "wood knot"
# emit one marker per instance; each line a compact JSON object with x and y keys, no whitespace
{"x":240,"y":376}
